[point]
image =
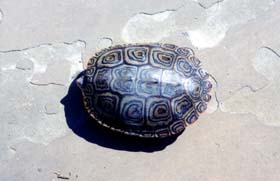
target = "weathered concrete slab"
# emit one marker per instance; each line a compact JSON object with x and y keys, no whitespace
{"x":30,"y":109}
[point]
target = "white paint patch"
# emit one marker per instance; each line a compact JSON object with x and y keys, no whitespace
{"x":39,"y":66}
{"x":67,"y":57}
{"x":9,"y":67}
{"x":104,"y":43}
{"x":76,"y":60}
{"x":148,"y":28}
{"x":207,"y":36}
{"x":205,"y":30}
{"x":221,"y":17}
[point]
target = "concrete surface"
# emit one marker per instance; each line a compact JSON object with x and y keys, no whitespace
{"x":45,"y":44}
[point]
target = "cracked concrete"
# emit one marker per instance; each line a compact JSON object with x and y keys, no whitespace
{"x":208,"y":3}
{"x":22,"y":117}
{"x":46,"y":61}
{"x":220,"y":19}
{"x":264,"y":103}
{"x":145,"y":27}
{"x":206,"y":26}
{"x":236,"y":41}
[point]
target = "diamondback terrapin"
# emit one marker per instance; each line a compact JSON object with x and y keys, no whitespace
{"x":147,"y":90}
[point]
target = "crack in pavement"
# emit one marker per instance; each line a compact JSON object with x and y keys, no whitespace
{"x":254,"y":90}
{"x":272,"y":50}
{"x":209,"y":6}
{"x":250,"y":88}
{"x":263,"y":101}
{"x":33,"y":91}
{"x":43,"y":44}
{"x":46,"y":84}
{"x":220,"y":19}
{"x":215,"y":92}
{"x":106,"y":38}
{"x":163,"y":11}
{"x":44,"y":67}
{"x":217,"y":100}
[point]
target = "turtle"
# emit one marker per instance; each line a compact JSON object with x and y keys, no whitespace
{"x":148,"y":90}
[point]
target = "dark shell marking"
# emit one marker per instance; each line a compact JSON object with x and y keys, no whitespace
{"x":147,"y":90}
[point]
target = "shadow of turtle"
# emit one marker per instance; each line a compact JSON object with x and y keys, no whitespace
{"x":84,"y":126}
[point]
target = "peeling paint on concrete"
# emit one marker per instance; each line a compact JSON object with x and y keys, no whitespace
{"x":34,"y":113}
{"x":208,"y":35}
{"x":145,"y":27}
{"x":47,"y":60}
{"x":264,"y":103}
{"x":220,"y":17}
{"x":104,"y":42}
{"x":224,"y":15}
{"x":47,"y":70}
